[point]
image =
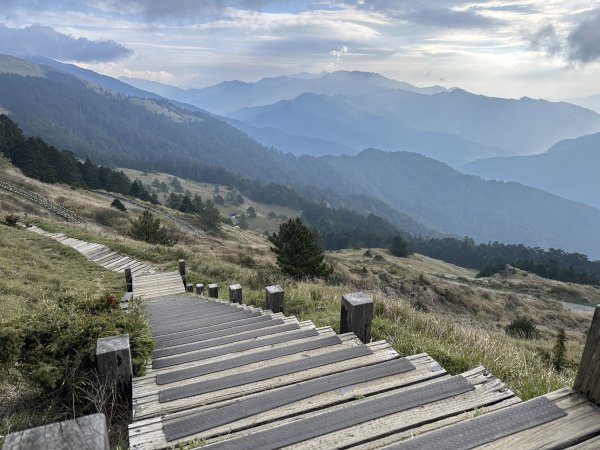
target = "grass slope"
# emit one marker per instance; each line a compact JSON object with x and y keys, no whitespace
{"x":421,"y":305}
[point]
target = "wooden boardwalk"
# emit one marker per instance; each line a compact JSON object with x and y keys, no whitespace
{"x":100,"y":254}
{"x":230,"y":376}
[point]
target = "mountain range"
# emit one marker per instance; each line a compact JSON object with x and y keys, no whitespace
{"x":154,"y":134}
{"x":569,"y":169}
{"x":230,"y":96}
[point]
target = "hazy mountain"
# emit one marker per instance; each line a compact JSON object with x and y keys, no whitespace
{"x":102,"y":80}
{"x":569,"y":169}
{"x":450,"y":126}
{"x":233,"y":95}
{"x":592,"y":102}
{"x":153,"y":134}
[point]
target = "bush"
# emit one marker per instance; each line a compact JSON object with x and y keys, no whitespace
{"x":522,"y":328}
{"x":400,"y":247}
{"x":147,"y":228}
{"x":118,"y":204}
{"x":560,"y":350}
{"x":11,"y":220}
{"x":54,"y":348}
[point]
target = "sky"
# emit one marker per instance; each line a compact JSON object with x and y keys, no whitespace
{"x":542,"y":48}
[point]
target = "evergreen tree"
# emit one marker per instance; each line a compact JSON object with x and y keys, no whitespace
{"x":210,"y":215}
{"x":399,"y":247}
{"x":118,"y":204}
{"x":298,"y":251}
{"x":147,"y":228}
{"x":186,"y":205}
{"x":243,"y":222}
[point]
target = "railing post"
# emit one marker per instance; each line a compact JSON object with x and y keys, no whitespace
{"x":128,"y":279}
{"x":356,"y":315}
{"x":274,"y":298}
{"x":113,"y":359}
{"x":189,"y":287}
{"x":199,"y":288}
{"x":587,"y":381}
{"x":87,"y":432}
{"x":213,"y":290}
{"x":235,"y":293}
{"x":182,"y":271}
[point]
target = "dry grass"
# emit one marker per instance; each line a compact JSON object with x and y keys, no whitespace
{"x":421,"y":305}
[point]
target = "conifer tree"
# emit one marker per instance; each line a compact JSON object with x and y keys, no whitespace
{"x":298,"y":251}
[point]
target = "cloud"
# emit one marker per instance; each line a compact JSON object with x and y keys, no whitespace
{"x":339,"y":52}
{"x":445,"y":14}
{"x":584,"y":40}
{"x":40,"y":40}
{"x":545,"y":40}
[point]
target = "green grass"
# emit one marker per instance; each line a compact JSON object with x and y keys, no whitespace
{"x":260,"y":223}
{"x":55,"y":305}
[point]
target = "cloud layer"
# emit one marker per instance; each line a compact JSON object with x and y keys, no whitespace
{"x":40,"y":40}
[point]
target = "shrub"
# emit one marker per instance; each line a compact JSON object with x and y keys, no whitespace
{"x":522,"y":327}
{"x":54,"y":348}
{"x":559,"y":351}
{"x":400,"y":247}
{"x":11,"y":220}
{"x":147,"y":228}
{"x":118,"y":204}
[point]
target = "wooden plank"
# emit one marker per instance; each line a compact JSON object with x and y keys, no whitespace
{"x":242,"y":360}
{"x":273,"y":371}
{"x":88,"y":432}
{"x":582,"y":422}
{"x":233,"y":348}
{"x":148,"y":405}
{"x":149,"y":433}
{"x":210,"y":328}
{"x":218,"y":333}
{"x":418,"y":429}
{"x":587,"y":381}
{"x":350,"y":415}
{"x":194,"y":424}
{"x":589,"y":444}
{"x":487,"y":391}
{"x":487,"y":428}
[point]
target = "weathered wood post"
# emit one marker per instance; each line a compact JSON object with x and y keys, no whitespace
{"x":182,"y":272}
{"x":87,"y":432}
{"x":274,"y":298}
{"x":587,"y":381}
{"x":199,"y":288}
{"x":128,"y":279}
{"x":356,"y":315}
{"x":113,"y":359}
{"x":213,"y":290}
{"x":235,"y":293}
{"x":189,"y":287}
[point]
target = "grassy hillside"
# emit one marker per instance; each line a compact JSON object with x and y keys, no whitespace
{"x":261,"y":223}
{"x":421,"y":304}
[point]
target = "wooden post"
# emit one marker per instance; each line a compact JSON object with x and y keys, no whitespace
{"x":113,"y":359}
{"x":213,"y":290}
{"x":87,"y":432}
{"x":356,"y":315}
{"x":235,"y":293}
{"x":182,"y":271}
{"x":274,"y":298}
{"x":587,"y":381}
{"x":189,"y":287}
{"x":199,"y":288}
{"x":128,"y":279}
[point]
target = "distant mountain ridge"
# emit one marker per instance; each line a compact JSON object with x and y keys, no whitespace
{"x":151,"y":134}
{"x":569,"y":169}
{"x":230,"y":96}
{"x":455,"y":127}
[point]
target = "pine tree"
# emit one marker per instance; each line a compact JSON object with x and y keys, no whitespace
{"x":147,"y":228}
{"x":399,"y":247}
{"x":298,"y":251}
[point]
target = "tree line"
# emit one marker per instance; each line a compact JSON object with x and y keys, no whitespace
{"x":39,"y":160}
